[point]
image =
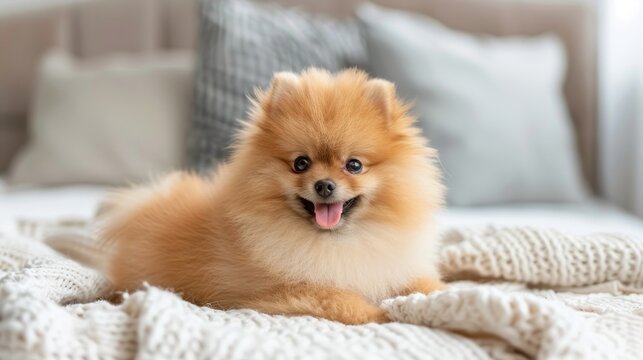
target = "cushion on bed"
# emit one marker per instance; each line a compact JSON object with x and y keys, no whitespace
{"x":242,"y":45}
{"x":107,"y":121}
{"x":493,"y":107}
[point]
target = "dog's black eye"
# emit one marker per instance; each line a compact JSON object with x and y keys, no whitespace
{"x":354,"y":166}
{"x":301,"y":164}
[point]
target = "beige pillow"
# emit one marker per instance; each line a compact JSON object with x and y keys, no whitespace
{"x":108,"y":121}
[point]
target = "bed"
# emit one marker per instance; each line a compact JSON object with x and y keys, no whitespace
{"x":545,"y":281}
{"x":528,"y":281}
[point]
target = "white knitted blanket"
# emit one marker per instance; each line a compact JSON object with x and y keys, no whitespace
{"x":517,"y":293}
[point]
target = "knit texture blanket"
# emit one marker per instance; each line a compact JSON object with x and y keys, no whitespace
{"x":515,"y":293}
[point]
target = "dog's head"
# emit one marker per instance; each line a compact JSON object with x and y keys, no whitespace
{"x":335,"y":150}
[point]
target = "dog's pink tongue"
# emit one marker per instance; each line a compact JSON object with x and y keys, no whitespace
{"x":328,"y":215}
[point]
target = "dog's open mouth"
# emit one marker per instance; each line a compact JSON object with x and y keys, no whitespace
{"x":328,"y":215}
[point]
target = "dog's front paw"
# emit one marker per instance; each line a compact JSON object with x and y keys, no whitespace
{"x":381,"y":317}
{"x":423,"y":285}
{"x":375,"y":315}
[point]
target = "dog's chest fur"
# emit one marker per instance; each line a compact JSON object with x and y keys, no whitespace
{"x":372,"y":260}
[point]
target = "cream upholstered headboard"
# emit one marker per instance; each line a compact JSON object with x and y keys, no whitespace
{"x":109,"y":26}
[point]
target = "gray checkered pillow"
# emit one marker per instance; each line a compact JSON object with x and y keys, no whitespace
{"x":242,"y":44}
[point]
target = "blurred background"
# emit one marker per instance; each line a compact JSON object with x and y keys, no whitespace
{"x":527,"y":101}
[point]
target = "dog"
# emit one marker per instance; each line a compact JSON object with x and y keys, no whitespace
{"x":325,"y":208}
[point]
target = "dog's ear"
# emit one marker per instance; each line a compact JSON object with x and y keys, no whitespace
{"x":382,"y":95}
{"x":283,"y":85}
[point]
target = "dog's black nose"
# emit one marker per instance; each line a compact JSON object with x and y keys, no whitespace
{"x":325,"y":187}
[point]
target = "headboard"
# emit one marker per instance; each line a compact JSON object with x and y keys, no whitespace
{"x":107,"y":26}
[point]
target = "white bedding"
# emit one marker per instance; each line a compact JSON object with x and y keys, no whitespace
{"x":587,"y":301}
{"x":586,"y":304}
{"x":576,"y":218}
{"x":80,"y":202}
{"x":46,"y":204}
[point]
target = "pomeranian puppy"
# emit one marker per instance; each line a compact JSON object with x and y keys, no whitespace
{"x":325,"y":208}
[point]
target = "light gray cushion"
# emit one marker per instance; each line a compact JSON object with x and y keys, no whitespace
{"x":493,"y":107}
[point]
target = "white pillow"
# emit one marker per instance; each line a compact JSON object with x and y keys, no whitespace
{"x":493,"y":107}
{"x":108,"y":121}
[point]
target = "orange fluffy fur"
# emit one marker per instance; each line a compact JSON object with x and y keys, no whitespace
{"x":243,"y":239}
